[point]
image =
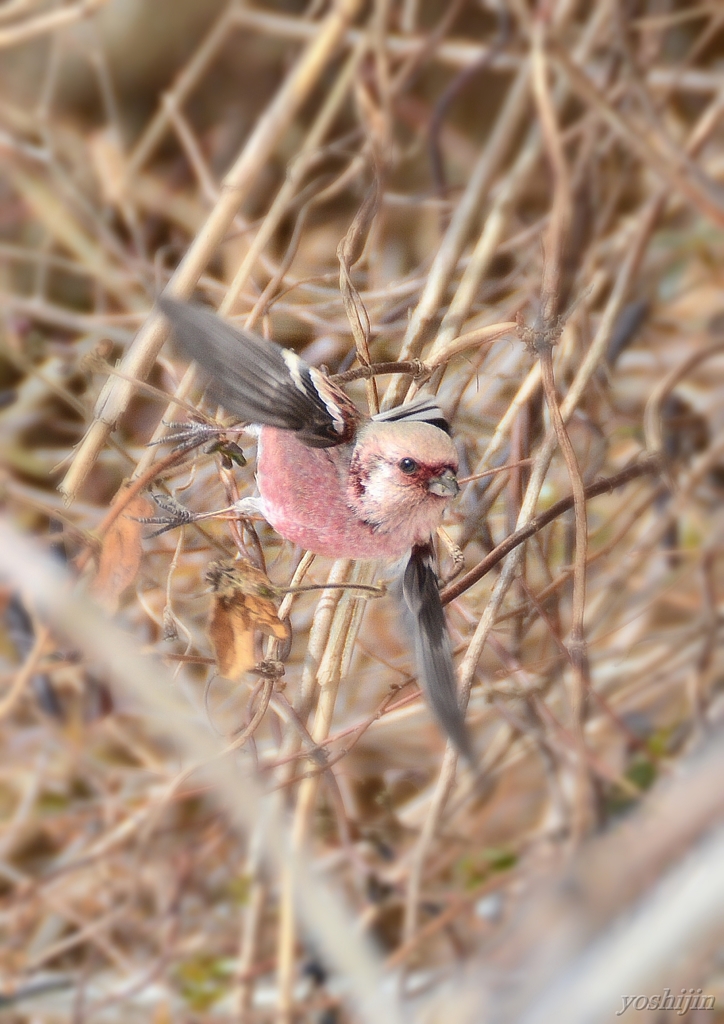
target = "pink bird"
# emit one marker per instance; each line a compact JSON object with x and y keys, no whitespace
{"x":336,"y":482}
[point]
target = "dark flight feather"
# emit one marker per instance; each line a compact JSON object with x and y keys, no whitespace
{"x":252,"y":379}
{"x":432,"y":646}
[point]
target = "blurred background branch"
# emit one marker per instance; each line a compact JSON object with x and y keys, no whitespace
{"x":490,"y":172}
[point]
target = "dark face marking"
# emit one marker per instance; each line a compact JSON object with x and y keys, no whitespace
{"x":425,"y":473}
{"x":429,"y":481}
{"x":357,"y":476}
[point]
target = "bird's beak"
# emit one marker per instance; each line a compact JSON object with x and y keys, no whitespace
{"x":445,"y":485}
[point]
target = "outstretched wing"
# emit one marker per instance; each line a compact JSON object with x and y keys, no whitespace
{"x":432,"y":646}
{"x":259,"y":381}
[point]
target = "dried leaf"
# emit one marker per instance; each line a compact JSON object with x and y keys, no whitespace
{"x":349,"y":251}
{"x":244,"y":604}
{"x":121,"y":554}
{"x":231,"y":632}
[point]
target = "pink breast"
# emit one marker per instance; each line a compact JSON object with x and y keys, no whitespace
{"x":304,"y":500}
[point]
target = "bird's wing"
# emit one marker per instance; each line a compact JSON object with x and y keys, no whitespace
{"x":432,"y":646}
{"x":259,"y":381}
{"x":423,"y":409}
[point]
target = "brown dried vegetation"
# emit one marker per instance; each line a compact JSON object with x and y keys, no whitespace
{"x":518,"y":204}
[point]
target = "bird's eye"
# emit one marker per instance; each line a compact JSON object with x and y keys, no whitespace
{"x":408,"y":466}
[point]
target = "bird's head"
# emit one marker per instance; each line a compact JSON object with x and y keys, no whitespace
{"x":400,"y":472}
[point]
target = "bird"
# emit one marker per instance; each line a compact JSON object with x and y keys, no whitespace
{"x":337,"y":482}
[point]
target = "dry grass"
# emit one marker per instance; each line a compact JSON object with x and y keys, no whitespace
{"x":539,"y":190}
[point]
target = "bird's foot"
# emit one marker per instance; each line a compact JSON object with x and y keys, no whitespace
{"x":249,"y":508}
